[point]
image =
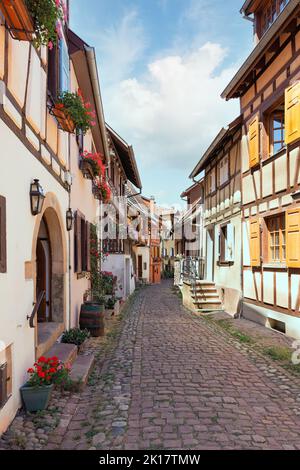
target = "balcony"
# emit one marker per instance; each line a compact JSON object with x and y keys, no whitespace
{"x":113,"y":246}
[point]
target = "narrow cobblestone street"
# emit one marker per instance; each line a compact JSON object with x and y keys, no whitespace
{"x":174,"y":382}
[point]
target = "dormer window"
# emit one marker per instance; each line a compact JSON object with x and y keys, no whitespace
{"x":270,"y":13}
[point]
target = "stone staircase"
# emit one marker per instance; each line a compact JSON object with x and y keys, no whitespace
{"x":205,"y":297}
{"x":81,"y":365}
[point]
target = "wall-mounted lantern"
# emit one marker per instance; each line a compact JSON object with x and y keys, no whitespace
{"x":69,"y":220}
{"x":37,"y":197}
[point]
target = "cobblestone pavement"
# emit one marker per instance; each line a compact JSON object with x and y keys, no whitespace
{"x":174,"y":381}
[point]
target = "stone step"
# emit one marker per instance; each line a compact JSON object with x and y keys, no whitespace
{"x":207,"y":310}
{"x":204,"y":296}
{"x":82,"y":369}
{"x":210,"y":305}
{"x":204,"y":289}
{"x":66,"y":353}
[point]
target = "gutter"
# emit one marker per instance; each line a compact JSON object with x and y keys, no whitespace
{"x":92,"y":64}
{"x":263,"y":43}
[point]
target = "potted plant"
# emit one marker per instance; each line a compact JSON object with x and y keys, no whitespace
{"x":72,"y":112}
{"x":76,"y":336}
{"x":91,"y":165}
{"x":43,"y":376}
{"x":101,"y":190}
{"x":47,"y":16}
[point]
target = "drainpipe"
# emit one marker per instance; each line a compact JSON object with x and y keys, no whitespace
{"x":137,"y":194}
{"x":69,"y":240}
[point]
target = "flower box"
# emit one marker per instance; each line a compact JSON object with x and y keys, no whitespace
{"x":36,"y":398}
{"x":64,"y":121}
{"x":97,"y":193}
{"x":18,"y":19}
{"x":86,"y":169}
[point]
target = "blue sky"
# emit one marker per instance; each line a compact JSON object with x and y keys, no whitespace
{"x":162,"y":66}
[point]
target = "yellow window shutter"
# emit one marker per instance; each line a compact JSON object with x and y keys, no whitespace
{"x":255,"y":242}
{"x":253,"y":136}
{"x":293,"y":238}
{"x":292,"y":113}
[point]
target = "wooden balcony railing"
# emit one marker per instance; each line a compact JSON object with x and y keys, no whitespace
{"x":113,"y":246}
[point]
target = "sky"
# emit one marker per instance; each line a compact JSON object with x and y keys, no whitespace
{"x":162,"y":66}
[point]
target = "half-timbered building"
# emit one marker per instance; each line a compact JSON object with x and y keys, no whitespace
{"x":268,"y":87}
{"x":221,"y":164}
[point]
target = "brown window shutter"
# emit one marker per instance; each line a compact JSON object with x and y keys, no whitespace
{"x":254,"y":147}
{"x":3,"y":255}
{"x":3,"y":385}
{"x":293,"y":238}
{"x":292,"y":113}
{"x":255,"y":242}
{"x":83,"y":244}
{"x":53,"y":72}
{"x":77,"y":245}
{"x":88,"y":247}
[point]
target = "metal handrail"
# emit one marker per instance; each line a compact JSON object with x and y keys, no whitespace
{"x":36,"y":308}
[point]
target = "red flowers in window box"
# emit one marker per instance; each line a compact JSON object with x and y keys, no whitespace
{"x":92,"y":165}
{"x":102,"y":191}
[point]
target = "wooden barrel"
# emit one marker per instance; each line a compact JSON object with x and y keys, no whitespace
{"x":92,"y":318}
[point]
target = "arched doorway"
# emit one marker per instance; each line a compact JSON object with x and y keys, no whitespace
{"x":50,"y":268}
{"x":44,"y":273}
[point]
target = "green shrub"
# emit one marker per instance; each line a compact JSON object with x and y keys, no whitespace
{"x":75,"y":336}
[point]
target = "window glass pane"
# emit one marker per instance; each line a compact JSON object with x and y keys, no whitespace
{"x":276,"y":147}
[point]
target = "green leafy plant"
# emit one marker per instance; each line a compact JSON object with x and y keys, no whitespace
{"x":110,"y":304}
{"x":75,"y":336}
{"x":73,"y":105}
{"x":47,"y":15}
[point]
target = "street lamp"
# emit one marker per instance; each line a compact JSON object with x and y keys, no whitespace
{"x":37,"y":197}
{"x":69,"y":220}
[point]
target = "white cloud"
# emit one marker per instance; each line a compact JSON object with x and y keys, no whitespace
{"x":120,"y":46}
{"x":172,"y":113}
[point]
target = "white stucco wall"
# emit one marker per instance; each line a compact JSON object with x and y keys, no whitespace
{"x":18,"y":168}
{"x":116,"y":263}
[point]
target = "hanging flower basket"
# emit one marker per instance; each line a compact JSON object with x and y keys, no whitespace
{"x":18,"y":19}
{"x":63,"y":118}
{"x":93,"y":161}
{"x":87,"y":169}
{"x":101,"y":191}
{"x":73,"y":106}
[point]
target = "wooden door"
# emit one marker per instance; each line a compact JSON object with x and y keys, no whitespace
{"x":41,"y":280}
{"x":140,"y":267}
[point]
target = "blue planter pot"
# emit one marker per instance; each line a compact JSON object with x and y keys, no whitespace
{"x":36,"y":398}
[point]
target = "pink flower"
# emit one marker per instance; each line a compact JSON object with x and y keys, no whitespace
{"x":50,"y":45}
{"x":93,"y":123}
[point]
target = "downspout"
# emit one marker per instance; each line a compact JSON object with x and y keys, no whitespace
{"x":137,"y":194}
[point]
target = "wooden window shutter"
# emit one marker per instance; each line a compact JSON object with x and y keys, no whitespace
{"x":3,"y":255}
{"x":77,"y":244}
{"x":88,"y":247}
{"x":293,"y":238}
{"x":253,"y":137}
{"x":292,"y":113}
{"x":3,"y":385}
{"x":255,"y":242}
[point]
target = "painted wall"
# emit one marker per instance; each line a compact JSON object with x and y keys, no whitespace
{"x":19,"y":167}
{"x":143,"y":251}
{"x":122,"y":267}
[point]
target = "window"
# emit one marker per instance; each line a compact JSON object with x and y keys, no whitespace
{"x":277,"y":130}
{"x":5,"y":376}
{"x":58,"y":69}
{"x":3,"y":262}
{"x":276,"y":239}
{"x":226,"y":253}
{"x":212,"y":182}
{"x":223,"y":171}
{"x":64,"y":66}
{"x":81,"y":244}
{"x":270,"y":13}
